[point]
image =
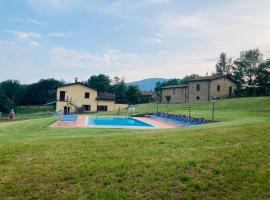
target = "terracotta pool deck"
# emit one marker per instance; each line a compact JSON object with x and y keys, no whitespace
{"x":80,"y":123}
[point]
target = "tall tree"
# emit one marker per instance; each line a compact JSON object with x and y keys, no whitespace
{"x":263,"y":74}
{"x":101,"y":83}
{"x":224,"y":65}
{"x":119,"y":88}
{"x":5,"y":103}
{"x":133,"y":94}
{"x":247,"y":66}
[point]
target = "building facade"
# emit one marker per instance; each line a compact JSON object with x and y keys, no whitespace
{"x":79,"y":98}
{"x":200,"y":89}
{"x":175,"y":94}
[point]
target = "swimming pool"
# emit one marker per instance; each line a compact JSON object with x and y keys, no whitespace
{"x":116,"y":121}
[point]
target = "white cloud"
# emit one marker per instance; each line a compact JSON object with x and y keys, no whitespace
{"x":29,"y":20}
{"x":37,"y":22}
{"x":33,"y":39}
{"x":29,"y":38}
{"x":153,"y":40}
{"x":23,"y":36}
{"x":60,"y":34}
{"x":174,"y":21}
{"x":46,"y":5}
{"x":108,"y":61}
{"x":34,"y":43}
{"x":158,"y":1}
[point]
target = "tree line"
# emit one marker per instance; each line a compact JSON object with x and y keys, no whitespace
{"x":250,"y":70}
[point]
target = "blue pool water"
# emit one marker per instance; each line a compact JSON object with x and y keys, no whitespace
{"x":116,"y":121}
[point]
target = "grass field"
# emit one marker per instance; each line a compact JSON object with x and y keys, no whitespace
{"x":225,"y":160}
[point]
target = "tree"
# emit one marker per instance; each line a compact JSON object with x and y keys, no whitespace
{"x":13,"y":90}
{"x":119,"y":89}
{"x":41,"y":92}
{"x":5,"y":103}
{"x":247,"y":67}
{"x":101,"y":83}
{"x":224,"y":65}
{"x":133,"y":94}
{"x":188,"y":78}
{"x":263,"y":74}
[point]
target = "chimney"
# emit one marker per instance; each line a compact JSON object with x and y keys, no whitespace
{"x":76,"y":80}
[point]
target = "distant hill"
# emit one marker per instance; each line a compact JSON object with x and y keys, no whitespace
{"x":147,"y":84}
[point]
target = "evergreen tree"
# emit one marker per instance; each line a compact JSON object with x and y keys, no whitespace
{"x":224,"y":65}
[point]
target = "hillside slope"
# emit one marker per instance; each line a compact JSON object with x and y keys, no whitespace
{"x":147,"y":84}
{"x":224,"y":160}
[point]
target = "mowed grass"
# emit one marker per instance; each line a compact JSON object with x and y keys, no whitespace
{"x":224,"y":160}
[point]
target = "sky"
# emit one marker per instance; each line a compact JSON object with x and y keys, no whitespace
{"x":64,"y":39}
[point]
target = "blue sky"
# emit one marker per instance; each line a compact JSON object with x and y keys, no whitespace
{"x":139,"y":39}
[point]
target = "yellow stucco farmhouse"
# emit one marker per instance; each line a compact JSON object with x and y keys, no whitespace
{"x":79,"y":98}
{"x":200,"y":89}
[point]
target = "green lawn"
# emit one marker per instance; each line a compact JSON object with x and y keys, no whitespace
{"x":225,"y":160}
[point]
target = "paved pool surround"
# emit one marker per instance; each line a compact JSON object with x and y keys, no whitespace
{"x":81,"y":122}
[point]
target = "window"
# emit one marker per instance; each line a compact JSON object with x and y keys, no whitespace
{"x":230,"y":91}
{"x":62,"y":95}
{"x":198,"y":98}
{"x":87,"y":95}
{"x":198,"y":87}
{"x":86,"y":108}
{"x":174,"y":90}
{"x":218,"y":88}
{"x":182,"y":91}
{"x":168,"y":99}
{"x":102,"y":108}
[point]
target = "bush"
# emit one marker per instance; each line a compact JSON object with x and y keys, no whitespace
{"x":34,"y":109}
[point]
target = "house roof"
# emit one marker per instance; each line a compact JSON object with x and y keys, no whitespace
{"x":105,"y":96}
{"x":77,"y":83}
{"x":147,"y":93}
{"x":210,"y":78}
{"x":174,"y":86}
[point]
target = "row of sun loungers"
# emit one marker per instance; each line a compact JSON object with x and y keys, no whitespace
{"x":179,"y":119}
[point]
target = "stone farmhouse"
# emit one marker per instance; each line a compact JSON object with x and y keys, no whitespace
{"x":200,"y":89}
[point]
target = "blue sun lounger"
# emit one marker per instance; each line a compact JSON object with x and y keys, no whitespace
{"x":68,"y":118}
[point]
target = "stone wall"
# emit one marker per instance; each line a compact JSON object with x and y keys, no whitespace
{"x":224,"y":86}
{"x":202,"y":94}
{"x":177,"y":95}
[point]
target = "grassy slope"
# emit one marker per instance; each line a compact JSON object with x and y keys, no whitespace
{"x":225,"y":160}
